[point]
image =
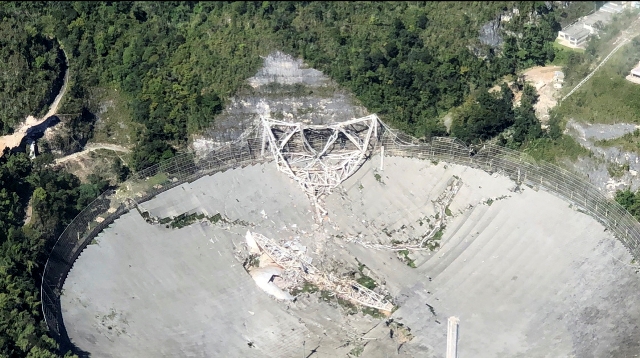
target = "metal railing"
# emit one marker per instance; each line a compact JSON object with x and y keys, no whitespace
{"x":186,"y":168}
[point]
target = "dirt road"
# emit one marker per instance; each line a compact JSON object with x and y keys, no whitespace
{"x":91,"y":147}
{"x":13,"y":140}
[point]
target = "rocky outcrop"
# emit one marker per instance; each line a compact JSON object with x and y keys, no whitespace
{"x":490,"y":33}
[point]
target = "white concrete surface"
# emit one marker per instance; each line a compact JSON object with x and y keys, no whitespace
{"x":527,"y":275}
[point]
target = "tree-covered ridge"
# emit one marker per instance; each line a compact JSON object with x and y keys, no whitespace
{"x":30,"y":73}
{"x":55,"y":197}
{"x":411,"y":62}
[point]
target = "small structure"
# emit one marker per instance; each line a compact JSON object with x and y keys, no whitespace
{"x":575,"y":35}
{"x":33,"y":149}
{"x":452,"y":337}
{"x":598,"y":19}
{"x":558,"y":79}
{"x":634,"y":75}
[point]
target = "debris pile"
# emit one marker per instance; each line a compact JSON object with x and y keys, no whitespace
{"x":280,"y":268}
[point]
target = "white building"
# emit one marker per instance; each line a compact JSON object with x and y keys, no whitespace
{"x":575,"y":35}
{"x":634,"y":75}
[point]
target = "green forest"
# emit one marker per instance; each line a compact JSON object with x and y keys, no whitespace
{"x":178,"y":63}
{"x":56,"y":197}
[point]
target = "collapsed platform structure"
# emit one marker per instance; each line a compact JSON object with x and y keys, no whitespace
{"x":320,"y":157}
{"x":300,"y":267}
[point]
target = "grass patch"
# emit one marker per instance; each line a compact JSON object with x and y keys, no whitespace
{"x":617,"y":170}
{"x":158,"y":179}
{"x":378,"y":178}
{"x":553,"y":150}
{"x":447,"y":211}
{"x":214,"y":219}
{"x":562,"y":53}
{"x":629,"y":142}
{"x":608,"y":97}
{"x":183,"y":220}
{"x":367,"y":282}
{"x":373,"y":312}
{"x":439,"y":233}
{"x":404,"y":256}
{"x":356,"y":351}
{"x":326,"y":295}
{"x":115,"y":124}
{"x":347,"y":305}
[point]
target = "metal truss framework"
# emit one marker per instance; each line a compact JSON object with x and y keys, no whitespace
{"x":319,"y":157}
{"x":300,"y":265}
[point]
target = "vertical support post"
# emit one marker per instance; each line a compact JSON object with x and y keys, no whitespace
{"x":382,"y":158}
{"x":452,"y":337}
{"x":451,"y":152}
{"x":264,"y":138}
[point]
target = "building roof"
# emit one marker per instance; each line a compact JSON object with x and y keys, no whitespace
{"x":602,"y":16}
{"x":636,"y":71}
{"x":613,"y":6}
{"x":577,"y":31}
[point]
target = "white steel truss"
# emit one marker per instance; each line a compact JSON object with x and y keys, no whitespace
{"x":300,"y":265}
{"x":319,"y":157}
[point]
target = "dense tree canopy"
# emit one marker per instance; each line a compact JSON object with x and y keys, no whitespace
{"x":410,"y":62}
{"x":55,"y":197}
{"x":630,"y":201}
{"x":31,"y":71}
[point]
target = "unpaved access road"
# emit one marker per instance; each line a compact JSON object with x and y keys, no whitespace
{"x":13,"y":140}
{"x":90,"y":148}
